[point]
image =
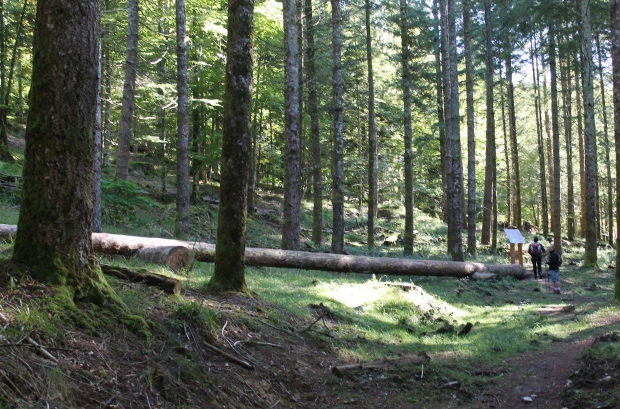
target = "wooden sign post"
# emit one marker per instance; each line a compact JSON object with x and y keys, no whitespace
{"x":515,"y":237}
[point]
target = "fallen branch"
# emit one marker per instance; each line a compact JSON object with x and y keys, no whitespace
{"x":41,"y":350}
{"x":142,"y":275}
{"x":236,"y":360}
{"x":342,"y":370}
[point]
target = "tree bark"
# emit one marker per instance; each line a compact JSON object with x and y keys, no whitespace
{"x":54,"y":236}
{"x":338,"y":133}
{"x":292,"y":154}
{"x":441,"y":123}
{"x":541,"y":139}
{"x":342,"y":370}
{"x":129,"y":89}
{"x":610,"y":199}
{"x":565,"y":71}
{"x":507,"y":155}
{"x":313,"y":108}
{"x":455,"y":190}
{"x":141,"y":275}
{"x":97,"y":153}
{"x":582,"y":169}
{"x":176,"y":258}
{"x":408,"y":133}
{"x":373,"y":171}
{"x":555,"y":128}
{"x":5,"y":154}
{"x":116,"y":244}
{"x":181,"y":229}
{"x":229,"y":271}
{"x":590,"y":255}
{"x":490,"y":162}
{"x":471,"y":135}
{"x":514,"y":145}
{"x":615,"y":57}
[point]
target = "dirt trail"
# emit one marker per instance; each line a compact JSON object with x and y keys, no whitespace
{"x":541,"y":376}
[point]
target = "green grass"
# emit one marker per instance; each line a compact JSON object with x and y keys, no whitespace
{"x":373,"y":320}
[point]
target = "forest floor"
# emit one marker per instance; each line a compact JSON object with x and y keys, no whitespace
{"x":276,"y":348}
{"x":290,"y":363}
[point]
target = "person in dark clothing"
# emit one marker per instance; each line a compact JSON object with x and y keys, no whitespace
{"x":554,"y":262}
{"x":536,"y":250}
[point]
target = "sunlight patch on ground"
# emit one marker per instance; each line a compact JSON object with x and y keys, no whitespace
{"x":374,"y":292}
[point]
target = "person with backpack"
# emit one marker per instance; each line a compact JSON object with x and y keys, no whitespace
{"x":554,"y":262}
{"x":536,"y":250}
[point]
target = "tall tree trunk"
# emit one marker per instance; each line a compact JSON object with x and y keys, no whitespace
{"x":229,"y":271}
{"x":610,"y":200}
{"x":197,"y":164}
{"x":107,"y":123}
{"x":565,"y":70}
{"x":590,"y":255}
{"x":441,"y":121}
{"x":292,"y":154}
{"x":5,"y":154}
{"x":557,"y":198}
{"x":582,"y":166}
{"x":471,"y":136}
{"x":540,"y":140}
{"x":490,"y":162}
{"x":404,"y":34}
{"x":181,"y":229}
{"x":96,"y":226}
{"x":255,"y":132}
{"x":129,"y":89}
{"x":373,"y":172}
{"x":56,"y":212}
{"x":300,"y":88}
{"x":549,"y":150}
{"x":6,"y":87}
{"x":453,"y":141}
{"x":313,"y":108}
{"x":507,"y":155}
{"x":338,"y":133}
{"x":512,"y":122}
{"x":615,"y":57}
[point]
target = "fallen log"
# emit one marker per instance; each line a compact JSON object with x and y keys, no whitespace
{"x":176,"y":258}
{"x":257,"y":257}
{"x":342,"y":370}
{"x":142,"y":275}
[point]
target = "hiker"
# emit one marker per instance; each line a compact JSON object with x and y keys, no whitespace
{"x":554,"y":262}
{"x":536,"y":250}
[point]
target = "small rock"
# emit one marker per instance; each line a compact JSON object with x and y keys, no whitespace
{"x":528,"y":399}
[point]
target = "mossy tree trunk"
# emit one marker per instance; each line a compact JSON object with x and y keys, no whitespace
{"x":229,"y":272}
{"x":54,"y":229}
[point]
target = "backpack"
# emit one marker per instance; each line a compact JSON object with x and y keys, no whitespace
{"x":535,"y":249}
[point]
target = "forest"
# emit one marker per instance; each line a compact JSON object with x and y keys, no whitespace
{"x":381,"y":105}
{"x":253,"y":138}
